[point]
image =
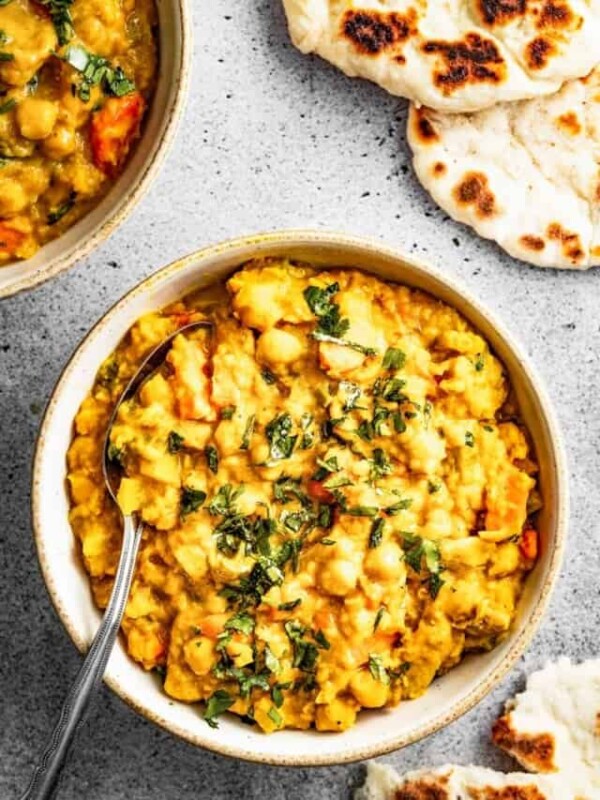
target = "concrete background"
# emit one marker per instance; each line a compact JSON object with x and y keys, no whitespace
{"x":270,"y":139}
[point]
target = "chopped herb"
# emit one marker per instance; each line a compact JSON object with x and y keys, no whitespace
{"x":274,"y":716}
{"x":241,"y":622}
{"x":223,"y":502}
{"x":376,"y":535}
{"x":399,"y":422}
{"x":3,"y":36}
{"x":212,"y":458}
{"x":321,"y":640}
{"x":268,"y":376}
{"x":488,"y":428}
{"x":107,"y":373}
{"x":337,"y":482}
{"x":380,"y":415}
{"x":305,"y":652}
{"x":427,"y":411}
{"x":227,"y":412}
{"x":191,"y":500}
{"x":4,"y":2}
{"x":469,"y":439}
{"x":58,"y":213}
{"x":351,"y":393}
{"x":296,"y":520}
{"x":328,"y":542}
{"x":248,"y":431}
{"x":277,"y":693}
{"x":394,"y":359}
{"x":115,"y":454}
{"x":381,"y":611}
{"x":32,"y":84}
{"x":290,"y":606}
{"x":479,"y":362}
{"x":418,"y":550}
{"x":217,"y":704}
{"x":328,"y":427}
{"x":379,"y":465}
{"x":97,"y":71}
{"x":307,"y":441}
{"x":7,"y":105}
{"x":433,"y":486}
{"x":365,"y":431}
{"x":174,"y":442}
{"x":330,"y":326}
{"x":396,"y":674}
{"x":401,"y":505}
{"x":60,"y":14}
{"x":286,"y":489}
{"x":278,"y":435}
{"x":390,"y":390}
{"x":324,"y":516}
{"x":327,"y":467}
{"x":6,"y":57}
{"x":377,"y":669}
{"x":363,"y":511}
{"x":271,"y":661}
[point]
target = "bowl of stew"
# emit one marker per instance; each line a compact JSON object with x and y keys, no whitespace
{"x":354,"y":492}
{"x":90,"y":94}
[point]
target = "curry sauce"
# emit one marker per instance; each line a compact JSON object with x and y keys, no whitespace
{"x":76,"y":77}
{"x":339,"y":495}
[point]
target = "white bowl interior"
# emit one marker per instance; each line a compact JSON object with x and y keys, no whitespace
{"x":92,"y":228}
{"x":376,"y":732}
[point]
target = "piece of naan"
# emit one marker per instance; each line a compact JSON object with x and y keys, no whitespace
{"x":453,"y":55}
{"x":467,"y":783}
{"x":526,"y":174}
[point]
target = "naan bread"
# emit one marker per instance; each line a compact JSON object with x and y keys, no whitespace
{"x":554,"y":725}
{"x":525,"y":174}
{"x":453,"y":55}
{"x":466,"y":783}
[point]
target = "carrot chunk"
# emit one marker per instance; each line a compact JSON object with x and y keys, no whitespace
{"x":113,"y":129}
{"x":10,"y":240}
{"x":529,"y":544}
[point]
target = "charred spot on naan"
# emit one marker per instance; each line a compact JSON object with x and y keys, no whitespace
{"x":530,"y":792}
{"x":439,"y":169}
{"x":555,"y":15}
{"x":372,"y":32}
{"x":535,"y":751}
{"x":433,"y":789}
{"x":570,"y":242}
{"x":538,"y":52}
{"x":570,"y":123}
{"x":531,"y":242}
{"x":423,"y":129}
{"x":501,"y":12}
{"x":474,"y":190}
{"x":473,"y":59}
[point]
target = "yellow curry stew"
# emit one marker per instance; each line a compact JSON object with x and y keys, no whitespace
{"x":339,"y":495}
{"x":76,"y":77}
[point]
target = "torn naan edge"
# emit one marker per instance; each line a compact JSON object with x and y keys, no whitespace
{"x":453,"y":55}
{"x":554,"y":725}
{"x":526,"y":174}
{"x":466,"y":783}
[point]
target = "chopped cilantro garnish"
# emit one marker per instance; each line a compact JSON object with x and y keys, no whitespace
{"x":328,"y":542}
{"x":217,"y":704}
{"x":277,"y":693}
{"x":174,"y":442}
{"x":281,"y":443}
{"x":390,"y":390}
{"x":274,"y":716}
{"x":326,"y":467}
{"x":433,"y":486}
{"x":377,"y":669}
{"x":115,"y":454}
{"x":379,"y":465}
{"x":330,"y":326}
{"x":97,"y":71}
{"x":227,"y":412}
{"x":418,"y":551}
{"x":241,"y":622}
{"x":60,"y":14}
{"x":380,"y":612}
{"x":321,"y":640}
{"x":351,"y":392}
{"x":362,"y":511}
{"x":58,"y":213}
{"x":191,"y":500}
{"x":268,"y":377}
{"x":212,"y":458}
{"x":401,"y":505}
{"x":290,"y":606}
{"x":271,"y":661}
{"x":376,"y":535}
{"x":469,"y":439}
{"x":6,"y":57}
{"x":7,"y":105}
{"x":394,"y":359}
{"x":248,"y":431}
{"x":479,"y":362}
{"x":305,"y":652}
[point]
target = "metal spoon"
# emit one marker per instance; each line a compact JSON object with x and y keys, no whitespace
{"x":44,"y":782}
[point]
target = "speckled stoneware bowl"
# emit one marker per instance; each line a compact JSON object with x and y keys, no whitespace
{"x":376,"y":732}
{"x":159,"y":127}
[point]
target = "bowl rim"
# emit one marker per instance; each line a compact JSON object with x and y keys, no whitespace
{"x":296,"y":237}
{"x":140,"y":186}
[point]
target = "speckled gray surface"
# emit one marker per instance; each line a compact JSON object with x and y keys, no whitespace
{"x":270,"y":139}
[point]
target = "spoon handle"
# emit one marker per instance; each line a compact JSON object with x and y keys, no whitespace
{"x":45,"y":777}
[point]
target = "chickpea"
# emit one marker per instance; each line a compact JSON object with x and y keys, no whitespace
{"x":384,"y":561}
{"x":199,"y":654}
{"x":61,"y":143}
{"x":339,"y":576}
{"x":13,"y":197}
{"x":336,"y":716}
{"x":369,"y":692}
{"x":278,"y":347}
{"x":36,"y":118}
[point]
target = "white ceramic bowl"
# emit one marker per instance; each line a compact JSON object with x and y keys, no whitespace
{"x":159,"y":127}
{"x":376,"y":732}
